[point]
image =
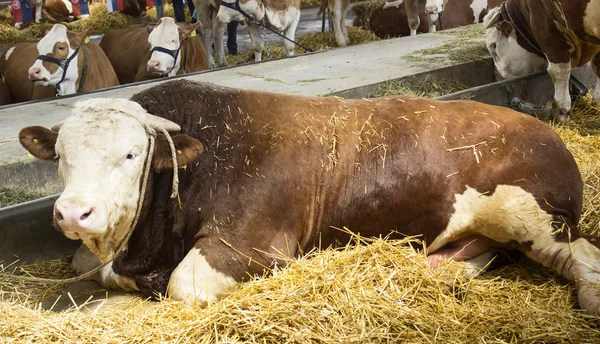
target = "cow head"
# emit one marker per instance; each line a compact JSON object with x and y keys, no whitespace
{"x":236,"y":10}
{"x":433,"y":9}
{"x":166,"y":39}
{"x":101,"y":151}
{"x":510,"y":58}
{"x":57,"y":61}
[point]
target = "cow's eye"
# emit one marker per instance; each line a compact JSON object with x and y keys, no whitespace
{"x":493,"y":45}
{"x":130,"y":156}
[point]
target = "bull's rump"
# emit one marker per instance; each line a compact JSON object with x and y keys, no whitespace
{"x":298,"y":165}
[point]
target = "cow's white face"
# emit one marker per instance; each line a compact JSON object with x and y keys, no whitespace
{"x":101,"y":151}
{"x":165,"y":35}
{"x":511,"y":60}
{"x":59,"y":44}
{"x":254,"y":8}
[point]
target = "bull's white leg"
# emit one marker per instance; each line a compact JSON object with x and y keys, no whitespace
{"x":338,"y":24}
{"x":257,"y":42}
{"x":290,"y":33}
{"x":203,"y":11}
{"x":512,"y":215}
{"x":194,"y":281}
{"x":596,"y":68}
{"x":560,"y":72}
{"x":343,"y":21}
{"x":84,"y":260}
{"x":218,"y":29}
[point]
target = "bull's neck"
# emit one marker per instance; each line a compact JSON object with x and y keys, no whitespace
{"x":519,"y":17}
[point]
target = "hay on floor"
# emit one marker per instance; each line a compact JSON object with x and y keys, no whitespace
{"x":362,"y":13}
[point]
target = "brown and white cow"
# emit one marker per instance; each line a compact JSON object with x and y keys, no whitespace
{"x":211,"y":27}
{"x":263,"y":175}
{"x":432,"y":8}
{"x":14,"y":65}
{"x":71,"y":63}
{"x":57,"y":11}
{"x":522,"y":35}
{"x":391,"y":19}
{"x":167,"y":49}
{"x":281,"y":15}
{"x":338,"y":10}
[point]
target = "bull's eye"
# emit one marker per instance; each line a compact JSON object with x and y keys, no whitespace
{"x":493,"y":46}
{"x":130,"y":156}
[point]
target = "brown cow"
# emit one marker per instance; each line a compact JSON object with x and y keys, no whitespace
{"x":391,"y":20}
{"x":14,"y":64}
{"x":266,"y":175}
{"x":167,"y":49}
{"x":522,"y":34}
{"x":71,"y":63}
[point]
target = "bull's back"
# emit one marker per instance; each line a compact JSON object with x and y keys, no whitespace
{"x":128,"y":51}
{"x":402,"y":165}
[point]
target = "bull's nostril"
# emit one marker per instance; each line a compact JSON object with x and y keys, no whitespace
{"x":58,"y":215}
{"x":86,"y":215}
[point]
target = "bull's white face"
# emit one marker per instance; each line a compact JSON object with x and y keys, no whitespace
{"x":55,"y":44}
{"x":166,"y":35}
{"x":511,"y":60}
{"x":101,"y":151}
{"x":255,"y":8}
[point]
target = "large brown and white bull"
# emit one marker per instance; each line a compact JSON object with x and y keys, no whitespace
{"x":166,"y":49}
{"x":71,"y":63}
{"x":281,"y":15}
{"x":14,"y":64}
{"x":263,"y":175}
{"x":522,"y":35}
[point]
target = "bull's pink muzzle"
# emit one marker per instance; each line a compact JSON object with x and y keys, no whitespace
{"x":431,"y":9}
{"x":74,"y":218}
{"x":154,"y":66}
{"x":35,"y":74}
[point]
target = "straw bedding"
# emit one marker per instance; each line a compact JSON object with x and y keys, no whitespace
{"x":380,"y":292}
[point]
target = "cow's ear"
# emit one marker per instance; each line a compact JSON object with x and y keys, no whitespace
{"x":77,"y":38}
{"x":188,"y":151}
{"x":505,"y":27}
{"x":150,"y":27}
{"x":492,"y":18}
{"x":46,"y":31}
{"x":39,"y":141}
{"x":186,"y":29}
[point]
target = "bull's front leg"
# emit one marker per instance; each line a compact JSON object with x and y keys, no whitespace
{"x":203,"y":12}
{"x":38,"y":10}
{"x":290,"y":33}
{"x":412,"y":13}
{"x":257,"y":42}
{"x":561,"y":107}
{"x":338,"y":23}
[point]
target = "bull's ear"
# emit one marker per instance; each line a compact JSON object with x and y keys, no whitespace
{"x":505,"y":27}
{"x":77,"y":38}
{"x":492,"y":18}
{"x":188,"y":152}
{"x":39,"y":141}
{"x":186,"y":29}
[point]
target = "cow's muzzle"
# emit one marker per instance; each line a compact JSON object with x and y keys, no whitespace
{"x":78,"y":216}
{"x":432,"y":10}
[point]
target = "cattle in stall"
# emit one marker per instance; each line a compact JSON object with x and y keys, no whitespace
{"x":264,"y":175}
{"x":211,"y":28}
{"x":338,"y":10}
{"x":281,"y":15}
{"x":391,"y":20}
{"x":71,"y":63}
{"x":166,"y":49}
{"x":563,"y":33}
{"x":432,"y":9}
{"x":4,"y":93}
{"x":14,"y":65}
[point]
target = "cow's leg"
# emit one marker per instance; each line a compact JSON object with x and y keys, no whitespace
{"x":38,"y":10}
{"x":203,"y":12}
{"x":431,"y":20}
{"x":412,"y":14}
{"x":337,"y":22}
{"x":290,"y":33}
{"x":343,"y":20}
{"x":512,"y":217}
{"x":561,"y":107}
{"x":596,"y":67}
{"x":84,"y":260}
{"x":257,"y":42}
{"x":218,"y":30}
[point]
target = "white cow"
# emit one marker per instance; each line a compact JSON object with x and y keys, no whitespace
{"x":282,"y":15}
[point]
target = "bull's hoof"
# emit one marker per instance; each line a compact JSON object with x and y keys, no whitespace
{"x":588,"y":295}
{"x":561,"y":115}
